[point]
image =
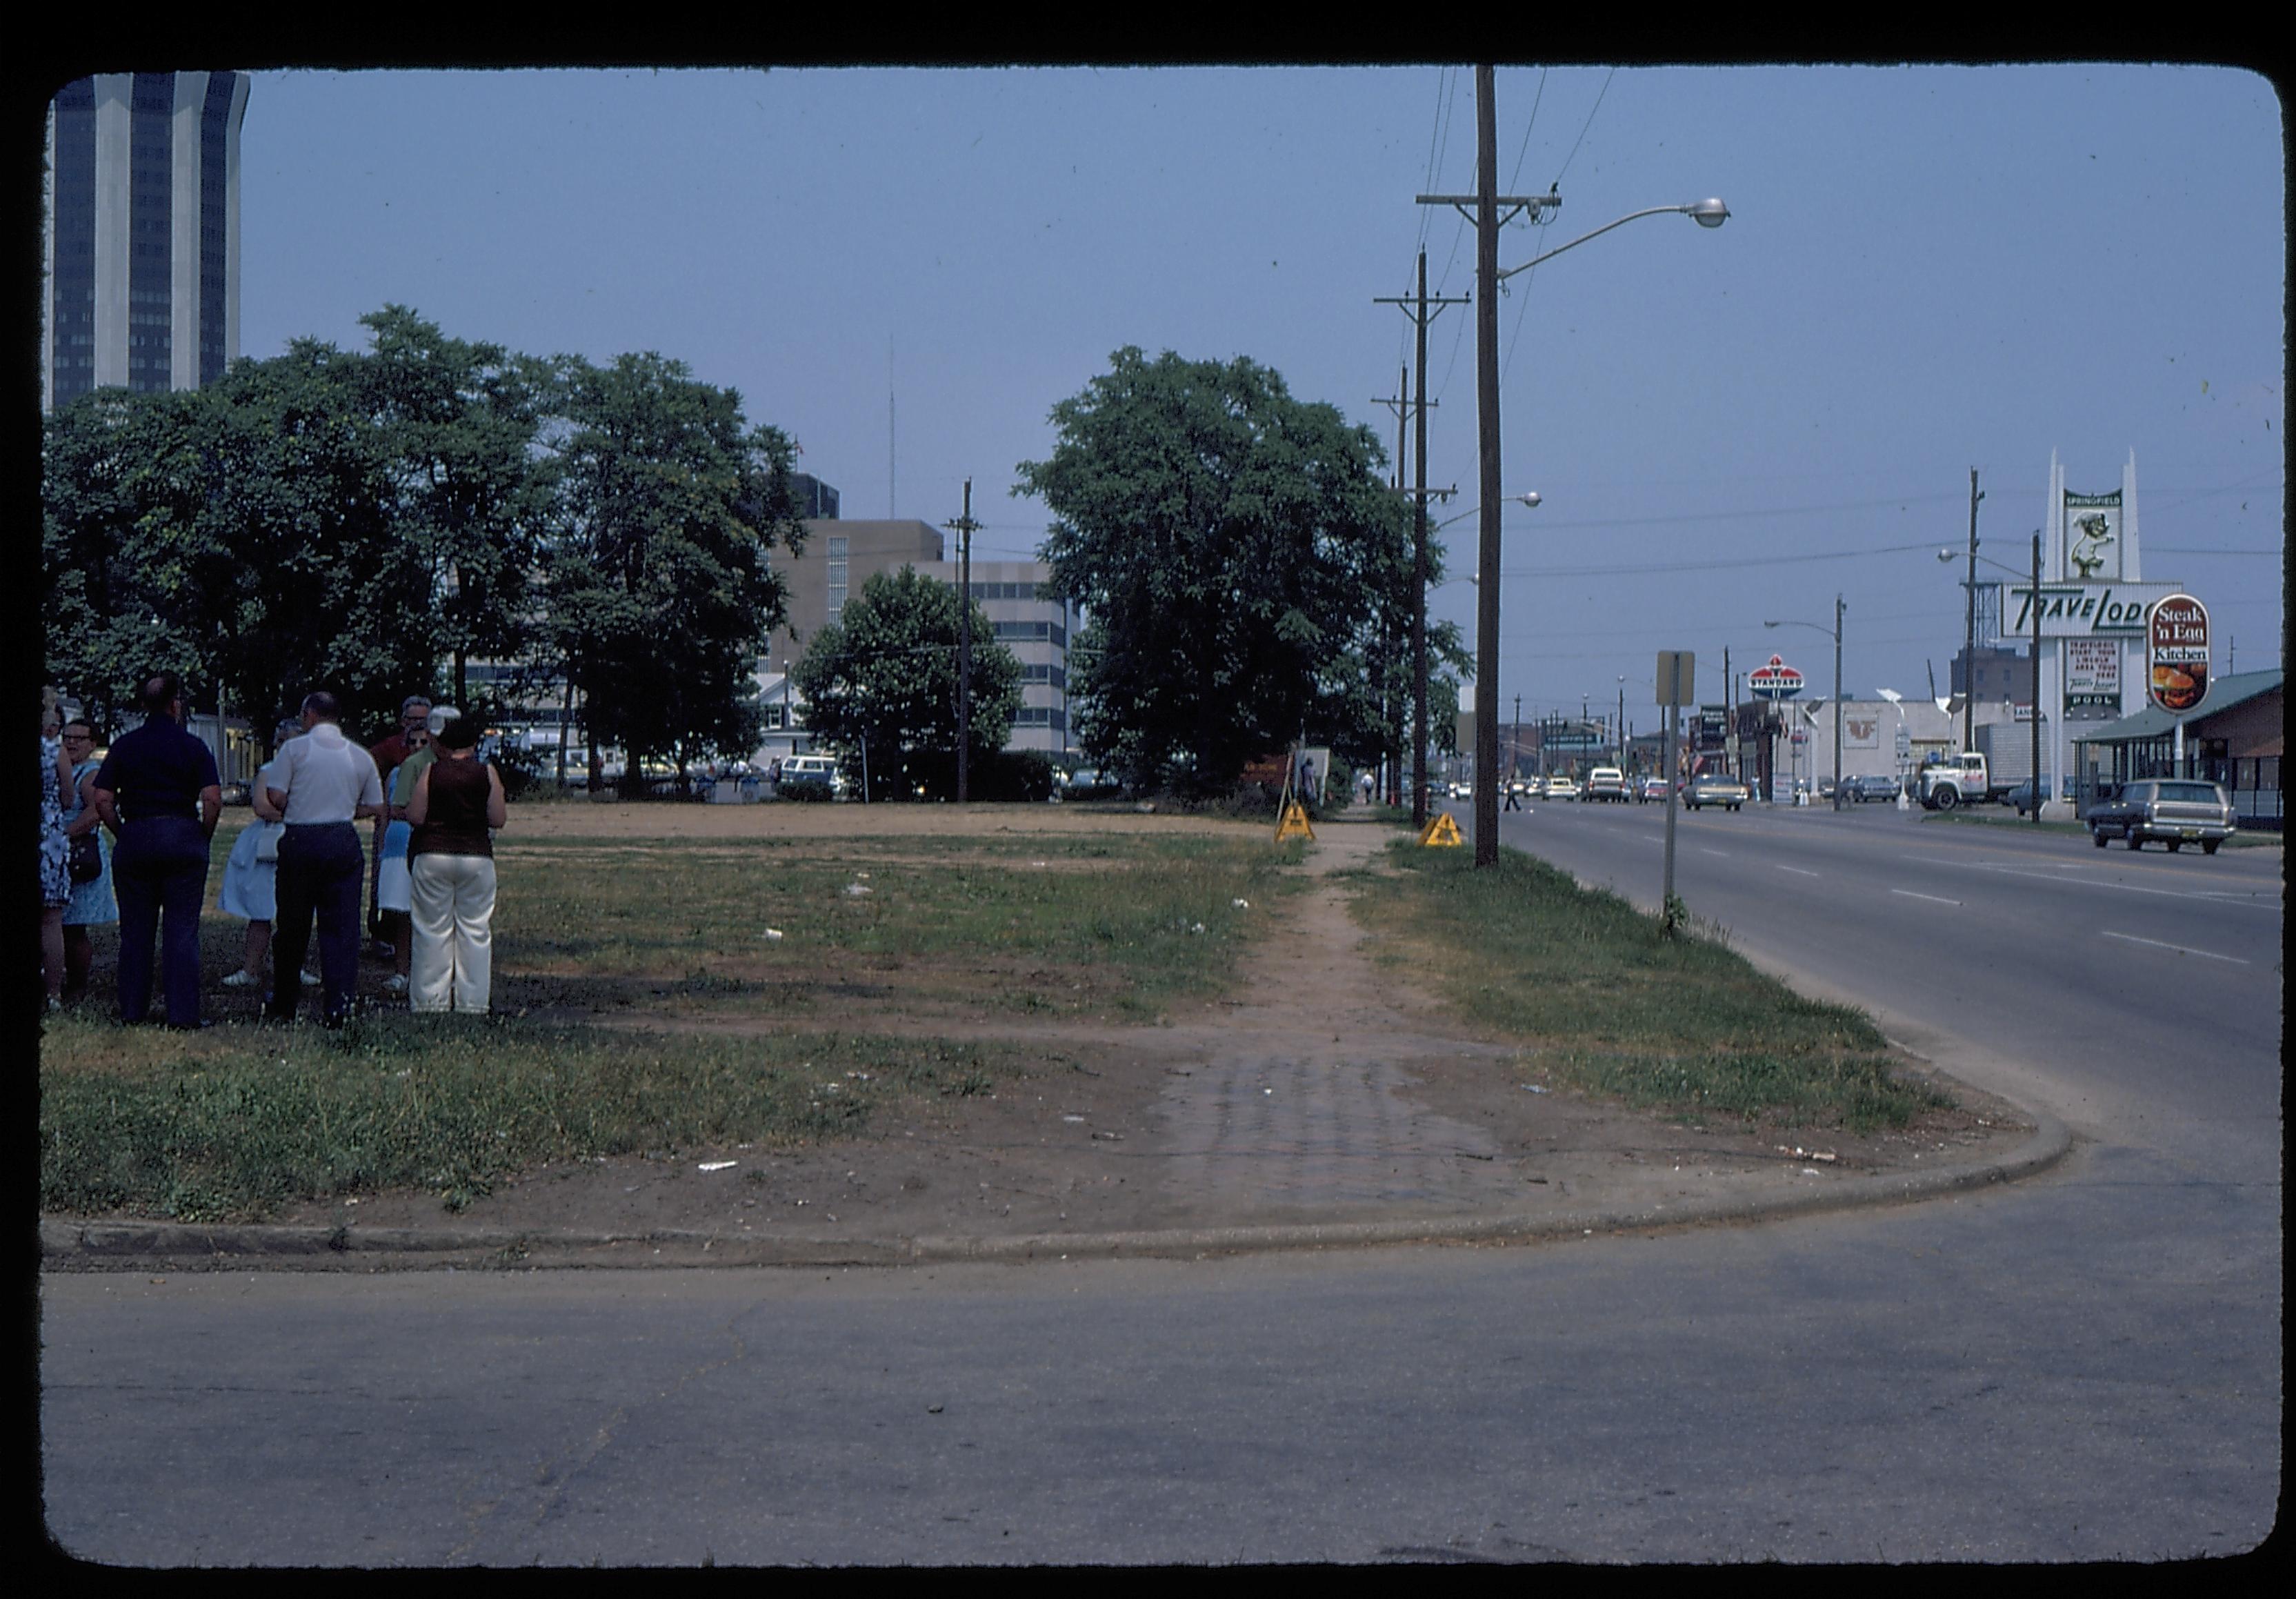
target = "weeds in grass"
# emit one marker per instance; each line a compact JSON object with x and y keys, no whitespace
{"x":254,"y":1119}
{"x":1623,"y":1004}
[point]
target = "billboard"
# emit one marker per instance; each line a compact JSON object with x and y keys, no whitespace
{"x":2177,"y":640}
{"x":2078,"y":609}
{"x":2092,"y":677}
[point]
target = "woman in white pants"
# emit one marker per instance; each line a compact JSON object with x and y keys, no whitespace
{"x":456,"y":803}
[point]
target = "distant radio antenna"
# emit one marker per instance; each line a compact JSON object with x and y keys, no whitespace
{"x":892,"y":441}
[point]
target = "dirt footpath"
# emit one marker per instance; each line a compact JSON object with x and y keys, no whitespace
{"x":1331,"y":1091}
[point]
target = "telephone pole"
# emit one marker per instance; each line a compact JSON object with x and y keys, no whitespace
{"x":962,"y":528}
{"x":1421,"y":310}
{"x":1969,"y":634}
{"x":1486,"y":203}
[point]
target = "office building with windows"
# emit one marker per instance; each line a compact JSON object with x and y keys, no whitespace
{"x":141,"y":263}
{"x":1017,"y":598}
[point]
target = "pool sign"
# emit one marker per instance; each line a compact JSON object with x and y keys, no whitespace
{"x":2177,"y":639}
{"x":1775,"y":681}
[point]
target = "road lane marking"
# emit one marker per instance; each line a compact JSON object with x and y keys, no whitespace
{"x":1725,"y":854}
{"x":2179,"y":948}
{"x":1932,"y":898}
{"x":2215,"y":896}
{"x":1797,"y":871}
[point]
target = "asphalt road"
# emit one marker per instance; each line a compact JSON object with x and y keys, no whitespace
{"x":2124,"y":987}
{"x":2085,"y":1367}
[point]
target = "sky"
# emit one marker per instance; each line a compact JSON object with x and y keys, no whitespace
{"x":1927,"y":270}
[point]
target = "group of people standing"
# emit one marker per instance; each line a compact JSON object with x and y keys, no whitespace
{"x":301,"y":862}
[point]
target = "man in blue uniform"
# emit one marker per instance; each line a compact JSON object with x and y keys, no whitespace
{"x":159,"y":793}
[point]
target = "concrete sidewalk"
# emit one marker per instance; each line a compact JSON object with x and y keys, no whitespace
{"x":1331,"y":1108}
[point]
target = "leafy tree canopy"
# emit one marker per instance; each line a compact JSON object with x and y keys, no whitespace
{"x":883,"y":676}
{"x":659,"y":594}
{"x":1244,"y":566}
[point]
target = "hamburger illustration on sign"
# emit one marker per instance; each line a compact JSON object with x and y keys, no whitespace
{"x":2177,"y":641}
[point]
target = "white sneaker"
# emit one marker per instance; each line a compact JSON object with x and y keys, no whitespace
{"x":394,"y":984}
{"x":310,"y":980}
{"x":239,"y":980}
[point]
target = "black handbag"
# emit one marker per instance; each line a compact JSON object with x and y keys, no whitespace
{"x":86,"y":858}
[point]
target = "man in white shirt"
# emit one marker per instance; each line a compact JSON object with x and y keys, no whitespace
{"x":328,"y":783}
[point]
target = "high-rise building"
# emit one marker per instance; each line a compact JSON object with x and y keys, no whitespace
{"x":142,"y":257}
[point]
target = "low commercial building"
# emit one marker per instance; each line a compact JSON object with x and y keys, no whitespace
{"x":2235,"y":737}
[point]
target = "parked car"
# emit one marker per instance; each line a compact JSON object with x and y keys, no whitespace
{"x":1715,"y":788}
{"x":2020,"y":795}
{"x":814,"y":768}
{"x":1651,"y":788}
{"x":2176,"y":811}
{"x":1871,"y":787}
{"x":1562,"y":787}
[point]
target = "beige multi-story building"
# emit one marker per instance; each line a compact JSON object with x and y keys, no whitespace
{"x":840,"y":556}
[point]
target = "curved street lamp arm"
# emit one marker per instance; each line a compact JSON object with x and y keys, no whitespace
{"x":1656,"y":210}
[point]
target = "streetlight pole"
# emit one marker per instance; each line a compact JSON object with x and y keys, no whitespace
{"x":2036,"y":608}
{"x":1486,"y":200}
{"x":1838,"y":607}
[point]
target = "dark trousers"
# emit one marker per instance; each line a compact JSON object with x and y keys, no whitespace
{"x":322,"y":869}
{"x":159,"y":876}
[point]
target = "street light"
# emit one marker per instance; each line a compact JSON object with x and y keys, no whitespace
{"x":1488,"y":277}
{"x":1838,"y":609}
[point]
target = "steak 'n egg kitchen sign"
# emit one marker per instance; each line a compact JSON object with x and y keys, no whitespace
{"x":2176,"y":654}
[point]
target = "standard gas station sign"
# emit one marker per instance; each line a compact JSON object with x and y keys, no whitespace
{"x":1775,"y":681}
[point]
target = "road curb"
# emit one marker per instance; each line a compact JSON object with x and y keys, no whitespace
{"x":137,"y":1245}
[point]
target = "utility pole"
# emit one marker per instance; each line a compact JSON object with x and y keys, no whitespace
{"x":1486,"y":200}
{"x":1421,"y":310}
{"x":1838,"y":795}
{"x":1401,"y":407}
{"x":2037,"y":682}
{"x":1730,"y":702}
{"x":1969,"y":631}
{"x":962,"y":528}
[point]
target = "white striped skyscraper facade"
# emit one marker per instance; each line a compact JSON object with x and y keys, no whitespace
{"x":141,"y":255}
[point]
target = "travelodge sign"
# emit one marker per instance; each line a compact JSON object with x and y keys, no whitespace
{"x":1775,"y":681}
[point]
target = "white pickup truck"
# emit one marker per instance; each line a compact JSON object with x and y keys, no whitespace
{"x":1957,"y":780}
{"x":1606,"y":783}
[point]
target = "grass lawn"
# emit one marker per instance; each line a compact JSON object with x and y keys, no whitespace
{"x":1605,"y":1002}
{"x":232,"y":1123}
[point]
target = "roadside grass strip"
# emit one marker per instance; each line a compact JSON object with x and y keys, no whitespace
{"x":236,"y":1123}
{"x":1604,"y":1001}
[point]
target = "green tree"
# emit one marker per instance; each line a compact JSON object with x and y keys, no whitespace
{"x":1242,"y":562}
{"x":883,"y":677}
{"x":456,"y":424}
{"x":658,"y":591}
{"x":123,"y":544}
{"x":242,"y":534}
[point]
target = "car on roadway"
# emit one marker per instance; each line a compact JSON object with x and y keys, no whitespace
{"x":1606,"y":783}
{"x":1651,"y":788}
{"x":814,"y":768}
{"x":2176,"y":811}
{"x":1462,"y":791}
{"x":1715,"y":788}
{"x":1562,"y":787}
{"x":1871,"y":787}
